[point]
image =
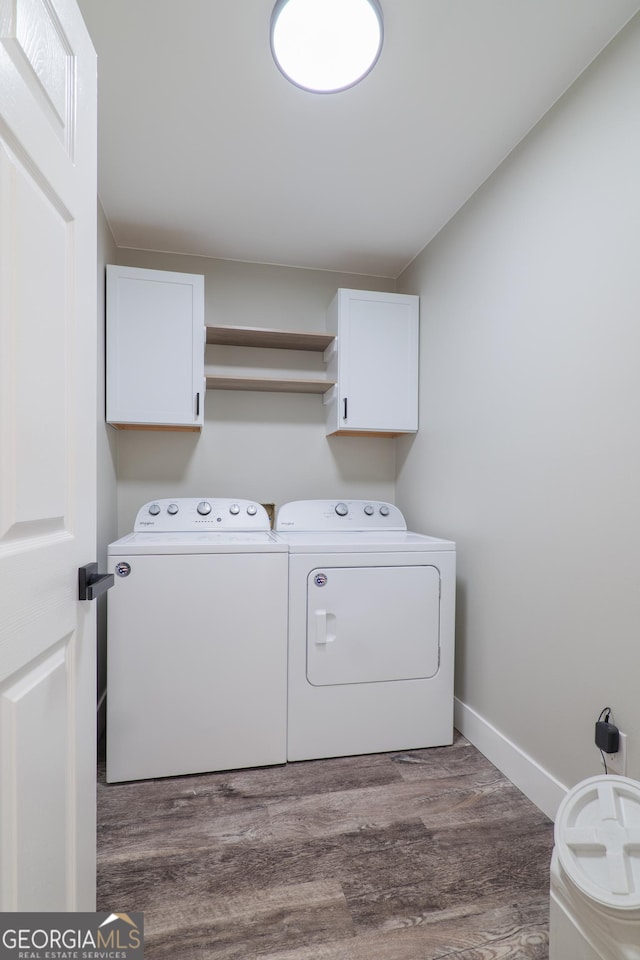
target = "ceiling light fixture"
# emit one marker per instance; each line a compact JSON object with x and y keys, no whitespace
{"x":326,"y":46}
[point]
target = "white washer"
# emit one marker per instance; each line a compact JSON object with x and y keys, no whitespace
{"x":371,"y":630}
{"x":197,"y":641}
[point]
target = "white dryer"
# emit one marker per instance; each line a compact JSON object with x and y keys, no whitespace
{"x":197,"y":641}
{"x":371,"y":630}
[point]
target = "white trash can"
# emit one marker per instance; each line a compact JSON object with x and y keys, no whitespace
{"x":595,"y":872}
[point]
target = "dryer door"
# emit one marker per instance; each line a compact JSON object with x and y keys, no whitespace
{"x":371,"y":624}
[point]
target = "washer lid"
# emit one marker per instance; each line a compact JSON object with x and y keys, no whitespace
{"x":597,"y":836}
{"x":216,"y":541}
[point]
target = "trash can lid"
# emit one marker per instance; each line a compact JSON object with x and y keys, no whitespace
{"x":597,"y":837}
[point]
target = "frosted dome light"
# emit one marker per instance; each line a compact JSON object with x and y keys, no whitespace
{"x":326,"y":45}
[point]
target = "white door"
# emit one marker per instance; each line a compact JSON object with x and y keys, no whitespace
{"x":47,"y":455}
{"x":372,"y":624}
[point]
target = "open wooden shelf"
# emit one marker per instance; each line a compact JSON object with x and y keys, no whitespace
{"x":274,"y":339}
{"x":269,"y":384}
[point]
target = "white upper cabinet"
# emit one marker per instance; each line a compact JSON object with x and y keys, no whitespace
{"x":374,"y":360}
{"x":155,"y":349}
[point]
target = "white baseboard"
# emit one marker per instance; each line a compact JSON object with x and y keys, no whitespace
{"x":536,"y":783}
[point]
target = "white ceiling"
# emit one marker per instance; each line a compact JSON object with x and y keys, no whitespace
{"x":205,"y":148}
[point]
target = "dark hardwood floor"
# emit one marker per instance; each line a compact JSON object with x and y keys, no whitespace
{"x":404,"y":856}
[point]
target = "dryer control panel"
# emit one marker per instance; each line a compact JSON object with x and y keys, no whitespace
{"x":187,"y":514}
{"x":339,"y":515}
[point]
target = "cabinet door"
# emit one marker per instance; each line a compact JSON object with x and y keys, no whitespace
{"x":377,"y":352}
{"x":155,"y":348}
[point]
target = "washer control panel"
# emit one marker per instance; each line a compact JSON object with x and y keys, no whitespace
{"x":331,"y":515}
{"x":188,"y":514}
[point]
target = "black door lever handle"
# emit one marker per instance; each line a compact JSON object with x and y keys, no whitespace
{"x":92,"y":584}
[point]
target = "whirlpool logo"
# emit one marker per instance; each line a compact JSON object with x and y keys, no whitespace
{"x":69,"y":936}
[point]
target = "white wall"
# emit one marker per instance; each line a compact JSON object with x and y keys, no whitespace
{"x":529,"y":448}
{"x":263,"y":446}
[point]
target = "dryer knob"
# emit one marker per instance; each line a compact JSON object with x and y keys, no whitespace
{"x":173,"y":509}
{"x":369,"y":510}
{"x":384,"y":510}
{"x":252,"y":509}
{"x":154,"y":509}
{"x":342,"y":509}
{"x":234,"y":509}
{"x":204,"y":508}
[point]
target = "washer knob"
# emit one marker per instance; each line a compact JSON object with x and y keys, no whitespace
{"x":252,"y":509}
{"x":154,"y":509}
{"x":234,"y":509}
{"x":342,"y":509}
{"x":369,"y":510}
{"x":173,"y":509}
{"x":204,"y":508}
{"x":384,"y":510}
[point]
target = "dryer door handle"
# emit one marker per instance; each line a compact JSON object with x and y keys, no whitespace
{"x":324,"y":622}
